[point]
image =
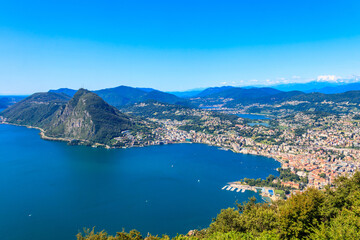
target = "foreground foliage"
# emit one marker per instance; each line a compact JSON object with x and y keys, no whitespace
{"x":313,"y":214}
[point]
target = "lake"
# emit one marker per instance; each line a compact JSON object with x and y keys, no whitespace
{"x":252,"y":116}
{"x":50,"y":190}
{"x":259,"y":124}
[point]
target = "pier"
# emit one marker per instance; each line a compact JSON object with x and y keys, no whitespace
{"x":239,"y":187}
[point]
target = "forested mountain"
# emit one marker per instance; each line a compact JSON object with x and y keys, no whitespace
{"x":270,"y":99}
{"x":244,"y":93}
{"x":88,"y":117}
{"x":151,"y":108}
{"x":36,"y":110}
{"x":350,"y":96}
{"x":187,"y":94}
{"x":123,"y":95}
{"x":84,"y":117}
{"x":67,"y":91}
{"x":212,"y":90}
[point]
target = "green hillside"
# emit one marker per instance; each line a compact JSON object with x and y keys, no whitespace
{"x":36,"y":110}
{"x":87,"y":117}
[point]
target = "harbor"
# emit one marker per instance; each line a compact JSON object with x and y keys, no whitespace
{"x":265,"y":192}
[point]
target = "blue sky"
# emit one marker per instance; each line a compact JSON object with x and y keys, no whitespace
{"x":174,"y":45}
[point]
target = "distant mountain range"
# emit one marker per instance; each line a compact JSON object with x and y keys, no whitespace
{"x":321,"y":87}
{"x":238,"y":93}
{"x":313,"y":86}
{"x":337,"y":89}
{"x":123,"y":95}
{"x":86,"y":117}
{"x":188,"y":93}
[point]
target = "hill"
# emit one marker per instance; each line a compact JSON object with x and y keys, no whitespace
{"x":159,"y":110}
{"x":270,"y":99}
{"x":35,"y":110}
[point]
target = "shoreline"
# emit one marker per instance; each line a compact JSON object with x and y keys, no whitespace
{"x":95,"y":144}
{"x":264,"y":191}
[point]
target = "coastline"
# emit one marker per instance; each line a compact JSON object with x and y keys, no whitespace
{"x":95,"y":144}
{"x":41,"y":133}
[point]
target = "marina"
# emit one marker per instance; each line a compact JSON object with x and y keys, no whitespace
{"x":239,"y":187}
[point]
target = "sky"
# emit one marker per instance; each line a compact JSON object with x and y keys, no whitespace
{"x":175,"y":45}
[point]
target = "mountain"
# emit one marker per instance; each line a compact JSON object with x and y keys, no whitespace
{"x":84,"y":117}
{"x":151,"y":108}
{"x":146,"y":89}
{"x":338,"y":89}
{"x":269,"y":99}
{"x":243,"y":93}
{"x":213,"y":90}
{"x":88,"y":117}
{"x":237,"y":92}
{"x":350,"y":96}
{"x":306,"y":87}
{"x":123,"y":95}
{"x":35,"y":110}
{"x":188,"y":94}
{"x":67,"y":91}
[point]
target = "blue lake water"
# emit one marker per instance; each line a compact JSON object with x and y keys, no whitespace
{"x":259,"y":124}
{"x":49,"y":190}
{"x":252,"y":116}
